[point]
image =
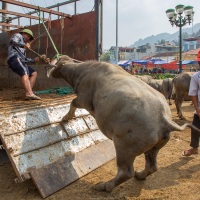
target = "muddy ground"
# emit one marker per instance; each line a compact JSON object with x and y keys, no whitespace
{"x":177,"y":178}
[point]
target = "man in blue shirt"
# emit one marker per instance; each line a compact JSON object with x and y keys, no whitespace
{"x":18,"y":61}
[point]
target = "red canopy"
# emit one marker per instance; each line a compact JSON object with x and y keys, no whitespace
{"x":198,"y":58}
{"x":171,"y":65}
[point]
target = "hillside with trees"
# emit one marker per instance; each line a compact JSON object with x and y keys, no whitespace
{"x":155,"y":39}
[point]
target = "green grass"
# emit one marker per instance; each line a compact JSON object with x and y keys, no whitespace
{"x":163,"y":76}
{"x":159,"y":76}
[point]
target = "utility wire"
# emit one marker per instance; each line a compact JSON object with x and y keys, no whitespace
{"x":28,"y":11}
{"x":23,"y":7}
{"x":32,"y":2}
{"x":45,"y":3}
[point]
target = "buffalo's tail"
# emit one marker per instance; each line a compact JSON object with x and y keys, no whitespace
{"x":176,"y":127}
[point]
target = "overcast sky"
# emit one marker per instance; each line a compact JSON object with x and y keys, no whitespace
{"x":136,"y":19}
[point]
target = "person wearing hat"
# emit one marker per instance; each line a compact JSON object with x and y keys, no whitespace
{"x":18,"y":61}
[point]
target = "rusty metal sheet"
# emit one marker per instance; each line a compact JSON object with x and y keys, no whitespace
{"x":39,"y":143}
{"x":61,"y":173}
{"x":90,"y":121}
{"x":78,"y":35}
{"x":49,"y":154}
{"x":78,"y":41}
{"x":33,"y":135}
{"x":29,"y":119}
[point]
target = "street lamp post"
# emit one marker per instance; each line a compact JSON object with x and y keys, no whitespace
{"x":117,"y":32}
{"x":180,"y":21}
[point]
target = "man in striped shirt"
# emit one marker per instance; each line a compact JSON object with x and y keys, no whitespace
{"x":18,"y":61}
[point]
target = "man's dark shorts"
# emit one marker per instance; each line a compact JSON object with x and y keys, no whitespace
{"x":20,"y":67}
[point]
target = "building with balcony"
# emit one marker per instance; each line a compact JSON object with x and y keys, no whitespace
{"x":167,"y":47}
{"x":191,"y":43}
{"x":124,"y":53}
{"x":146,"y":50}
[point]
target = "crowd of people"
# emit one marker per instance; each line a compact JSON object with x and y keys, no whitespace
{"x":146,"y":71}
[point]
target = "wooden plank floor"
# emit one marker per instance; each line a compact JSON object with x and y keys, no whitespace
{"x":13,"y":100}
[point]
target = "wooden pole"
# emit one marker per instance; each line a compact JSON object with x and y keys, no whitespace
{"x":26,"y":5}
{"x":20,"y":14}
{"x":4,"y":16}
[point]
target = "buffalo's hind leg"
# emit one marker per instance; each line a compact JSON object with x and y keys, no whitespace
{"x":178,"y":103}
{"x":125,"y":171}
{"x":151,"y":160}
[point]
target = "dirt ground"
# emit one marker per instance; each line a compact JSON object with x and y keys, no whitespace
{"x":177,"y":178}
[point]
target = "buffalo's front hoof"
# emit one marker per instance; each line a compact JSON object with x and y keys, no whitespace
{"x":102,"y":186}
{"x":140,"y":175}
{"x":99,"y":186}
{"x":64,"y":119}
{"x":67,"y":118}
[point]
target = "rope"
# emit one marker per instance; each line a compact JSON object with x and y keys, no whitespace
{"x":36,"y":65}
{"x":62,"y":32}
{"x":49,"y":27}
{"x":39,"y":35}
{"x":57,"y":53}
{"x":43,"y":57}
{"x":28,"y":12}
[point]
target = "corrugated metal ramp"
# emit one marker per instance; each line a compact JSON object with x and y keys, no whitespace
{"x":51,"y":152}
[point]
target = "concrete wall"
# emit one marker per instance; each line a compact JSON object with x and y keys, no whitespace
{"x":78,"y":41}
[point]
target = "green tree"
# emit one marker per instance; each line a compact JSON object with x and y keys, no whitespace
{"x":175,"y":42}
{"x":197,"y":33}
{"x":162,"y":41}
{"x":185,"y":35}
{"x":105,"y":57}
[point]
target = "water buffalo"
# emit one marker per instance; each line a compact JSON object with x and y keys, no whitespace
{"x":181,"y":84}
{"x":145,"y":78}
{"x":163,"y":86}
{"x":132,"y":114}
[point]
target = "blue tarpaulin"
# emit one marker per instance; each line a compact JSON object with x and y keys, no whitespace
{"x":188,"y":62}
{"x":152,"y":61}
{"x":141,"y":62}
{"x":124,"y":63}
{"x":161,"y":62}
{"x":156,"y":59}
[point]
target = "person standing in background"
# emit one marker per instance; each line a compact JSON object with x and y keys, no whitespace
{"x":194,"y":92}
